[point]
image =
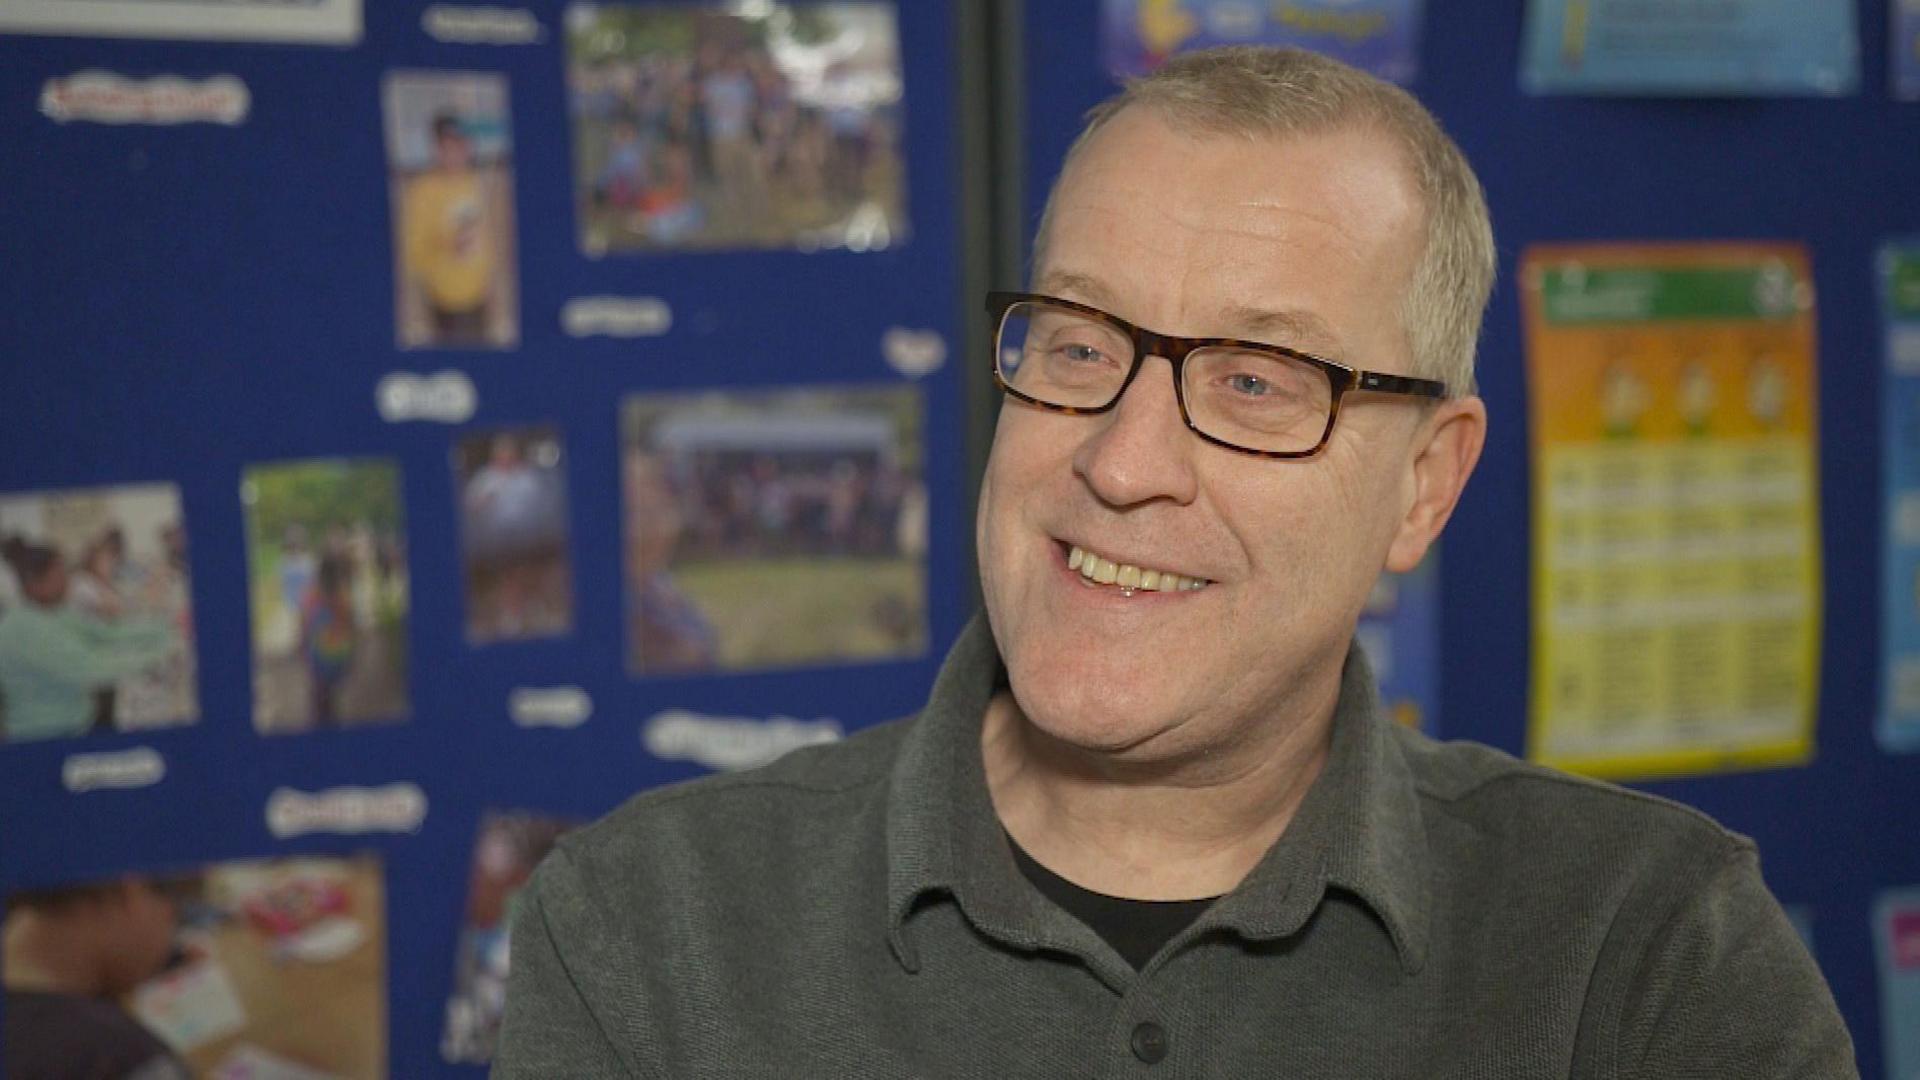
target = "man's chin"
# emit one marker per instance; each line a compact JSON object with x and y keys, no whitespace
{"x":1097,"y":714}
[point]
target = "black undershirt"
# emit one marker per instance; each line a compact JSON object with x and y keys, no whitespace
{"x":1135,"y":928}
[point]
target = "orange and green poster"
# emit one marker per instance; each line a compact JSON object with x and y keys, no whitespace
{"x":1676,"y":525}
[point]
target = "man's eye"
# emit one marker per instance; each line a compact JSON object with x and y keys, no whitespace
{"x":1080,"y":353}
{"x":1250,"y":385}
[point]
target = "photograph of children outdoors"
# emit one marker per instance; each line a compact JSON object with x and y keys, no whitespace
{"x":774,"y":528}
{"x":706,"y":129}
{"x":326,"y":555}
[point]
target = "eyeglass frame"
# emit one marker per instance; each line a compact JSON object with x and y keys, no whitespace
{"x":1175,"y":350}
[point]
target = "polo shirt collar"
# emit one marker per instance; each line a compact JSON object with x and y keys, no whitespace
{"x":1359,"y":830}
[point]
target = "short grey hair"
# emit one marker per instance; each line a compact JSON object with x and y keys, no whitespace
{"x":1253,"y":92}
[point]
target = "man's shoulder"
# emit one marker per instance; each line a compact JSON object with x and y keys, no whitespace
{"x":812,"y":796}
{"x":1494,"y":793}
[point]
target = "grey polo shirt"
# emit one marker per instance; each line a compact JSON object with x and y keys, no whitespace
{"x":1434,"y":910}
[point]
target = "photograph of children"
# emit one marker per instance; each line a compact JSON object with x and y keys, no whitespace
{"x":509,"y":846}
{"x":774,"y":528}
{"x":513,"y":534}
{"x":96,"y":613}
{"x":450,"y":160}
{"x":242,"y":969}
{"x":327,"y":574}
{"x":747,"y":126}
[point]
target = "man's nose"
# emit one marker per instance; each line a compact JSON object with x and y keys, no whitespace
{"x":1141,"y":450}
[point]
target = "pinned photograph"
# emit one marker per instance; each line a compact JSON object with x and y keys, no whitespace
{"x":512,"y":489}
{"x":307,"y":22}
{"x":752,"y":126}
{"x":509,"y":846}
{"x":450,"y":166}
{"x":774,"y":528}
{"x":327,"y":571}
{"x":96,"y":613}
{"x":259,"y":968}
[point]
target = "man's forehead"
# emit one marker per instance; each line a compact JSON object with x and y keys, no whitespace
{"x":1225,"y":316}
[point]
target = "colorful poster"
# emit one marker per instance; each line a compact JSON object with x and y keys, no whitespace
{"x":318,"y":22}
{"x":1896,"y":930}
{"x":96,"y":613}
{"x":1703,"y":48}
{"x":774,"y":528}
{"x":1899,"y":726}
{"x":1676,"y":565}
{"x":1400,"y":631}
{"x":1380,"y":36}
{"x":450,"y":178}
{"x":1903,"y":49}
{"x":766,"y":125}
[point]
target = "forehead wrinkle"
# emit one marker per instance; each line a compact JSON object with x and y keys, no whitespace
{"x":1073,"y":285}
{"x":1184,"y":224}
{"x":1294,"y":327}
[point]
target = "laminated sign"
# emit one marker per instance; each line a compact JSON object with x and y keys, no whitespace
{"x":1676,"y":556}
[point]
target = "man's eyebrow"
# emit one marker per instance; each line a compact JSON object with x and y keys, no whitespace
{"x":1072,"y":286}
{"x":1292,"y":327}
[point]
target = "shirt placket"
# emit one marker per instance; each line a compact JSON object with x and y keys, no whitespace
{"x":1146,"y":1037}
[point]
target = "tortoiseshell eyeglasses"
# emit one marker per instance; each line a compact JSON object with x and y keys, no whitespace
{"x":1256,"y":398}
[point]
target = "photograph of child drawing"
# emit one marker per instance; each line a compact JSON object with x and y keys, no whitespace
{"x":255,"y":968}
{"x":327,"y":569}
{"x":96,"y":613}
{"x":709,"y":128}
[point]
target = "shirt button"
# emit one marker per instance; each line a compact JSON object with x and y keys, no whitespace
{"x":1149,"y":1042}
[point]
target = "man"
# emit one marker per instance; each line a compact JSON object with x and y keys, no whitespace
{"x":1150,"y":820}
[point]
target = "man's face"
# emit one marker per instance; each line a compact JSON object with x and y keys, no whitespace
{"x":1306,"y":241}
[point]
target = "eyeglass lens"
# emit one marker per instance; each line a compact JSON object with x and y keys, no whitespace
{"x":1249,"y":398}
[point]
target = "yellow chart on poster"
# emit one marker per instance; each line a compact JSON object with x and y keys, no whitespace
{"x":1676,"y":555}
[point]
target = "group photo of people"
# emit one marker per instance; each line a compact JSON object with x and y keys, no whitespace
{"x":706,"y":128}
{"x":96,"y":613}
{"x":774,"y":528}
{"x":327,"y":564}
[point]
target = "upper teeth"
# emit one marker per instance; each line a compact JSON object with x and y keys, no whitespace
{"x":1104,"y":571}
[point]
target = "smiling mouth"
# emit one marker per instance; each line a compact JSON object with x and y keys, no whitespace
{"x":1098,"y":571}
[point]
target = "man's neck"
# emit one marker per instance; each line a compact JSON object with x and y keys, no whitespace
{"x":1162,"y":830}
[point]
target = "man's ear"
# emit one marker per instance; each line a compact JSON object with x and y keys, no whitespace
{"x":1445,"y":449}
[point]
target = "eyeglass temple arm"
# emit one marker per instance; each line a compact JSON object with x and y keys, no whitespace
{"x":1398,"y":384}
